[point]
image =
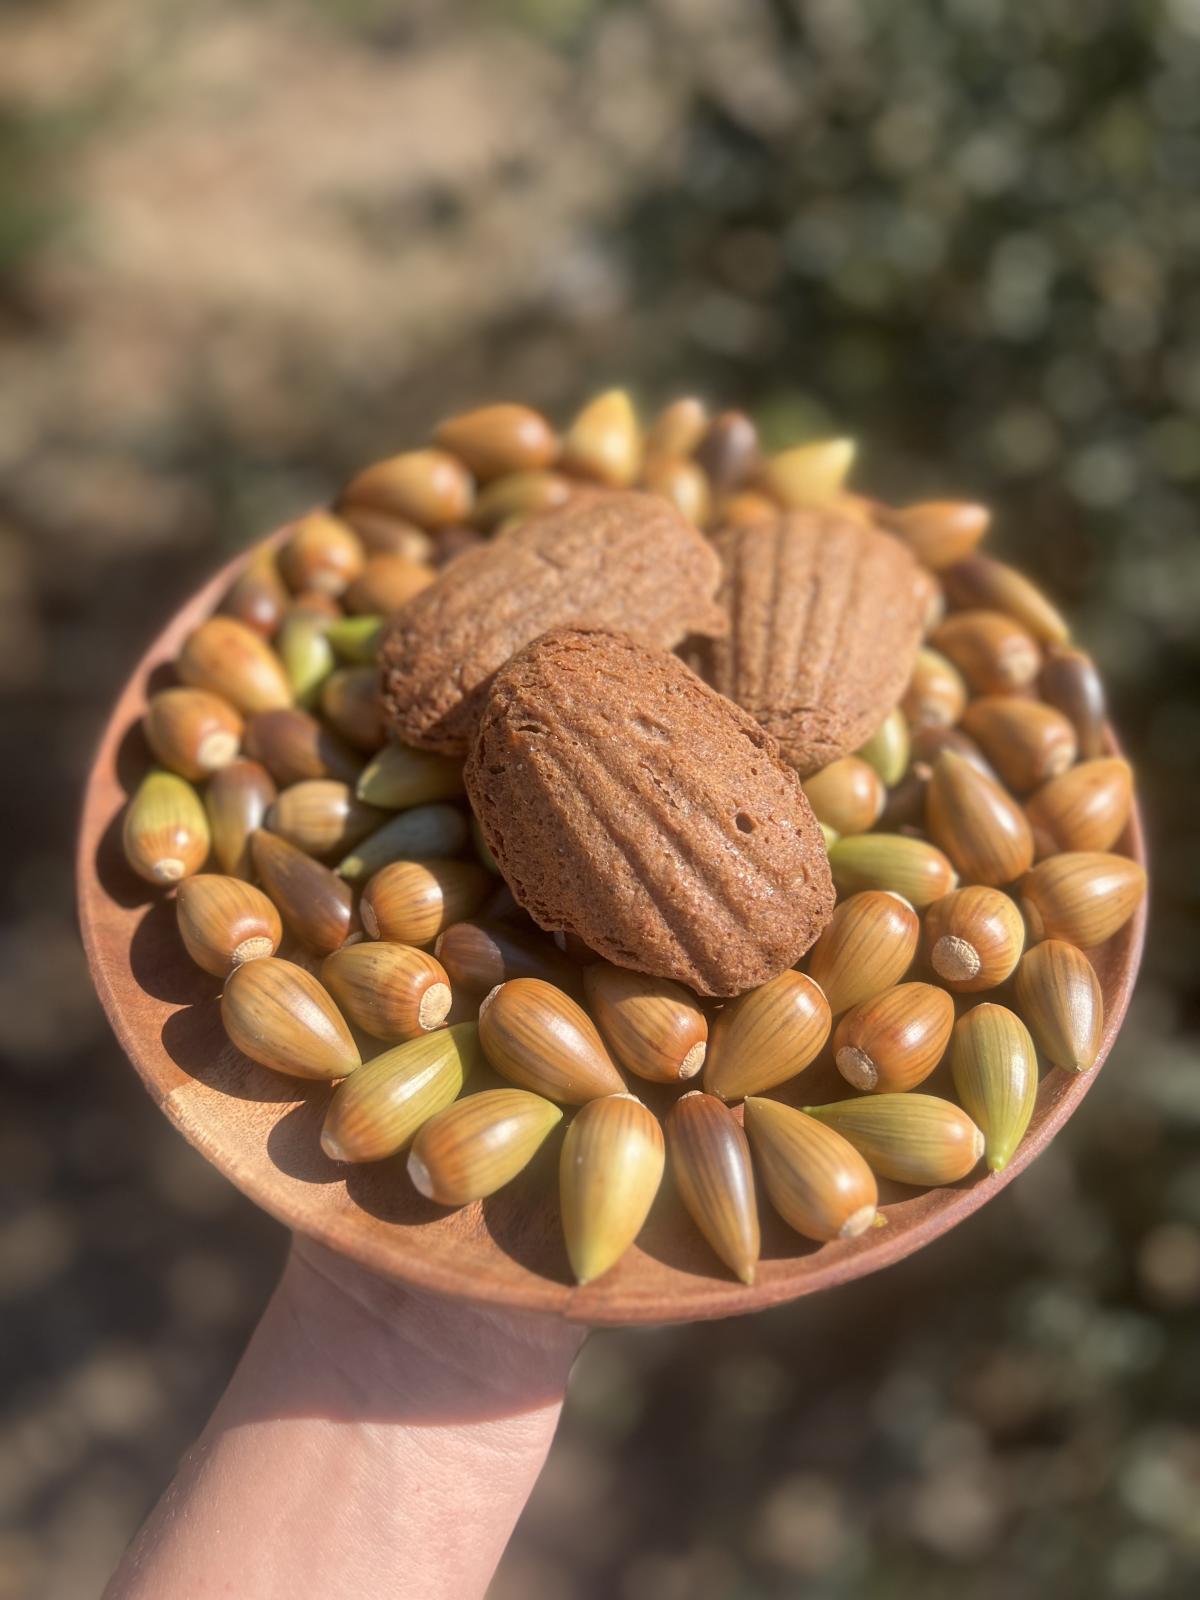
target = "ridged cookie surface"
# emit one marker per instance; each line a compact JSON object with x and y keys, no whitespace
{"x":619,"y":560}
{"x":627,"y":802}
{"x":825,"y":618}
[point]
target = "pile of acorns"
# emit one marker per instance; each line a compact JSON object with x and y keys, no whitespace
{"x":970,"y":837}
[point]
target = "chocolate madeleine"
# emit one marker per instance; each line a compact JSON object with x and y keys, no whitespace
{"x":629,"y":804}
{"x":825,"y":619}
{"x":622,"y":560}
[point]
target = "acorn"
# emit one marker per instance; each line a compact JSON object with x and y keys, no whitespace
{"x":808,"y":474}
{"x":380,"y":1108}
{"x":933,"y":608}
{"x":728,"y":452}
{"x":450,"y":543}
{"x":1024,"y":740}
{"x":479,"y":955}
{"x":386,"y":583}
{"x":1059,"y":997}
{"x":322,"y":553}
{"x":322,"y":817}
{"x":165,"y":832}
{"x":224,"y":921}
{"x":910,"y":1138}
{"x":904,"y":808}
{"x":350,"y":702}
{"x":520,"y":494}
{"x":976,"y":822}
{"x":815,"y":1179}
{"x":317,"y":906}
{"x":745,"y":506}
{"x":481,"y":847}
{"x":867,"y":946}
{"x":928,"y":743}
{"x":938,"y":532}
{"x":355,"y":640}
{"x":1071,"y":684}
{"x":995,"y":1076}
{"x":538,"y":1038}
{"x":412,"y":901}
{"x":496,"y":439}
{"x":887,"y":750}
{"x":1082,"y":896}
{"x":609,"y":1173}
{"x":385,"y":534}
{"x":414,"y":835}
{"x":654,"y":1028}
{"x":399,"y":777}
{"x":911,"y":868}
{"x":994,"y":653}
{"x":236,"y":801}
{"x":306,"y":654}
{"x":766,"y":1036}
{"x":847,"y":795}
{"x":683,"y":483}
{"x":314,"y":606}
{"x":1085,"y":808}
{"x":936,"y":694}
{"x":479,"y":1144}
{"x":232,"y":661}
{"x":258,"y":596}
{"x":979,"y":581}
{"x":293,"y":746}
{"x":428,"y":487}
{"x":710,"y":1162}
{"x":279,"y":1015}
{"x":604,"y":441}
{"x":894,"y":1040}
{"x":975,"y":937}
{"x":191,"y":732}
{"x":678,"y":428}
{"x":390,"y":991}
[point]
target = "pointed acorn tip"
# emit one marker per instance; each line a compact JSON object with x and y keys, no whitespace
{"x":331,"y":1147}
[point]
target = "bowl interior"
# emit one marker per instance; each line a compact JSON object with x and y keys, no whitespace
{"x":261,"y":1130}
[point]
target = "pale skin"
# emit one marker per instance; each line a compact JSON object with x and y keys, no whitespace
{"x":374,"y":1441}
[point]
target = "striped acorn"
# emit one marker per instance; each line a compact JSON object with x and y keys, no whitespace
{"x":909,"y":1138}
{"x":1082,"y":896}
{"x":379,"y":1108}
{"x":165,"y":832}
{"x":1058,"y":994}
{"x":322,"y":817}
{"x":236,"y":801}
{"x":766,"y":1036}
{"x":936,"y":695}
{"x":654,"y":1028}
{"x":894,"y":1040}
{"x":994,"y":1065}
{"x":391,"y":991}
{"x":496,"y":439}
{"x":994,"y":653}
{"x":979,"y":581}
{"x":974,"y":937}
{"x":479,"y":1144}
{"x":867,"y":946}
{"x":479,"y":955}
{"x":604,"y":441}
{"x":815,"y":1179}
{"x":1086,"y":808}
{"x":847,"y":795}
{"x":428,"y":487}
{"x":321,"y":553}
{"x":939,"y":533}
{"x":350,"y":704}
{"x":192,"y":732}
{"x":224,"y":921}
{"x":1071,"y":684}
{"x":399,"y":777}
{"x":1025,"y":741}
{"x":914,"y":869}
{"x":412,"y":901}
{"x":540,"y":1039}
{"x":293,"y":746}
{"x":887,"y":750}
{"x":710,"y":1163}
{"x":418,"y":834}
{"x":976,"y":822}
{"x":928,"y":744}
{"x":808,"y":474}
{"x":280,"y":1016}
{"x":229,"y":659}
{"x":609,"y":1173}
{"x":316,"y":905}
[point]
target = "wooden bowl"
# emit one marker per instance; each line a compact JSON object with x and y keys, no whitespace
{"x":261,"y":1130}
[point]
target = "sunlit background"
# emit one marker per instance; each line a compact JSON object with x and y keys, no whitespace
{"x":246,"y":246}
